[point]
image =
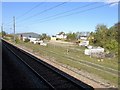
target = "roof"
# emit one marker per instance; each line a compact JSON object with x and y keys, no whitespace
{"x":61,"y":33}
{"x":29,"y":34}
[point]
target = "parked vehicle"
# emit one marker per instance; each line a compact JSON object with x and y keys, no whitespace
{"x":84,"y":43}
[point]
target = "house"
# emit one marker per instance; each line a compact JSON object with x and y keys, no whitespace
{"x":53,"y":38}
{"x":31,"y":36}
{"x":82,"y":40}
{"x":83,"y":35}
{"x":61,"y":35}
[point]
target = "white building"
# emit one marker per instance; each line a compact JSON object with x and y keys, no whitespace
{"x":93,"y":51}
{"x":32,"y":39}
{"x":37,"y":41}
{"x":43,"y":44}
{"x":23,"y":38}
{"x":31,"y":36}
{"x":83,"y":38}
{"x":61,"y":35}
{"x":53,"y":38}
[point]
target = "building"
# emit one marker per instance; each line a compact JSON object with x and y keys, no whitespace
{"x":94,"y":50}
{"x":53,"y":38}
{"x":31,"y":36}
{"x":83,"y":37}
{"x":61,"y":35}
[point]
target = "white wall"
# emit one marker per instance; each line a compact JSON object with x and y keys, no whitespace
{"x":83,"y":38}
{"x":61,"y":36}
{"x":32,"y":39}
{"x":24,"y":38}
{"x":94,"y":50}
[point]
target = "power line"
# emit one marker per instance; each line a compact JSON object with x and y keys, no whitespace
{"x":45,"y":10}
{"x":58,"y":14}
{"x":74,"y":9}
{"x":39,"y":12}
{"x":27,"y":11}
{"x":74,"y":12}
{"x":30,"y":10}
{"x":78,"y":12}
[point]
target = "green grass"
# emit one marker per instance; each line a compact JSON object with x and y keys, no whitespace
{"x":71,"y":63}
{"x":59,"y":54}
{"x":80,"y":56}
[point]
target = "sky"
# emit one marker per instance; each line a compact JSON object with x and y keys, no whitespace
{"x":54,"y":17}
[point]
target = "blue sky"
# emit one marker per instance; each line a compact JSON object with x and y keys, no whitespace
{"x":35,"y":21}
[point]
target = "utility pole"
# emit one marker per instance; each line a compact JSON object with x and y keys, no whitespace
{"x":14,"y":27}
{"x":2,"y":30}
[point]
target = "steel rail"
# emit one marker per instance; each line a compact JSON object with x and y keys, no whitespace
{"x":50,"y":67}
{"x":30,"y":67}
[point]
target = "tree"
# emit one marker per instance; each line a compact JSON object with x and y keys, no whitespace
{"x":44,"y":36}
{"x":100,"y":35}
{"x":115,"y":30}
{"x":107,"y":38}
{"x":3,"y":33}
{"x":71,"y":36}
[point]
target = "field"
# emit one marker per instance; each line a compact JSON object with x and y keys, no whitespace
{"x":73,"y":56}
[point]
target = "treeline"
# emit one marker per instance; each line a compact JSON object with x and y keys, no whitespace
{"x":44,"y":36}
{"x":102,"y":36}
{"x":106,"y":37}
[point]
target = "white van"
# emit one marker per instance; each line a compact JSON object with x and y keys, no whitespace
{"x":84,"y":43}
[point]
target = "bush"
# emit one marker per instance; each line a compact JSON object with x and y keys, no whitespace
{"x":27,"y":40}
{"x":110,"y":55}
{"x":5,"y":38}
{"x":58,"y":39}
{"x":17,"y":40}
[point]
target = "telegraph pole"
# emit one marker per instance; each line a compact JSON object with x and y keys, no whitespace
{"x":2,"y":30}
{"x":14,"y":27}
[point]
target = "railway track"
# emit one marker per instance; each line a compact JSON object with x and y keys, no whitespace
{"x":106,"y":85}
{"x":90,"y":64}
{"x":50,"y":75}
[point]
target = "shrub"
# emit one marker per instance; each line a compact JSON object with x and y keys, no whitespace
{"x":27,"y":40}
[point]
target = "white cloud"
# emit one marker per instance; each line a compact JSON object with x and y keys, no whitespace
{"x":111,"y":1}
